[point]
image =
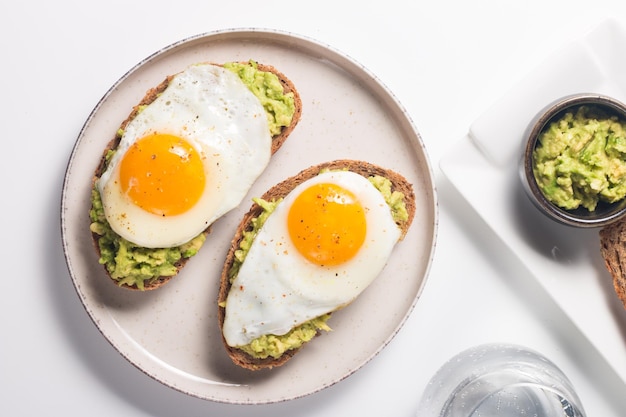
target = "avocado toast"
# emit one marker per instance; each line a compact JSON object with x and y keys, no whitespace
{"x":276,"y":350}
{"x":138,"y":268}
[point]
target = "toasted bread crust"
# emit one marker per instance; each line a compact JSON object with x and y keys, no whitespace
{"x":613,"y":250}
{"x":280,"y":190}
{"x":277,"y":141}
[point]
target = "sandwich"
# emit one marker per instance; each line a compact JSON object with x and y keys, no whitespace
{"x":187,"y":154}
{"x":306,"y":249}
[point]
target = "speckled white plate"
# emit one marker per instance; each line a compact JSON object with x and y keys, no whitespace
{"x":171,"y":334}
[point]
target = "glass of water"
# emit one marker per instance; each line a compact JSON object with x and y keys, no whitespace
{"x":499,"y":380}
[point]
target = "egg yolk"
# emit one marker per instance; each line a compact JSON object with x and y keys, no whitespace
{"x":327,"y":224}
{"x":163,"y":174}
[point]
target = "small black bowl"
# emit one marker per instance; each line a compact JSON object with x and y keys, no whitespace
{"x":604,"y":213}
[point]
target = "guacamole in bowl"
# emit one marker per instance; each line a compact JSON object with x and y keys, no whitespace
{"x":574,"y":162}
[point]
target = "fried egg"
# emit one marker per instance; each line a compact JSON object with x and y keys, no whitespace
{"x":317,"y":251}
{"x":186,"y":159}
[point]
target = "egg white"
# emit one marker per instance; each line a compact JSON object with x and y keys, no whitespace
{"x":214,"y":110}
{"x":277,"y":289}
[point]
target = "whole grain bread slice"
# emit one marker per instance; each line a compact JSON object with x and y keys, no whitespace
{"x":277,"y":141}
{"x":280,"y":190}
{"x":613,"y":249}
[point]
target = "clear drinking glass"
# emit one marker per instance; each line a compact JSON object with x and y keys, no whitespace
{"x":499,"y":380}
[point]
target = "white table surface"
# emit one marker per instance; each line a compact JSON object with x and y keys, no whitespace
{"x":445,"y":61}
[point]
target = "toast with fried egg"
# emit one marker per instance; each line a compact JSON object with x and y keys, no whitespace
{"x":108,"y":242}
{"x":248,"y":232}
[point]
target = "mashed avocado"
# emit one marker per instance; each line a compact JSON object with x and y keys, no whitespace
{"x":273,"y":345}
{"x":581,"y":159}
{"x":394,"y":199}
{"x":130,"y":264}
{"x":267,"y":88}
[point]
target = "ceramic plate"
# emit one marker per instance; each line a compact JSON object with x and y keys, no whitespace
{"x":171,"y":334}
{"x":484,"y":168}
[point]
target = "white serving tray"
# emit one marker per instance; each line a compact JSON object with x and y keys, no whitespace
{"x":483,"y":166}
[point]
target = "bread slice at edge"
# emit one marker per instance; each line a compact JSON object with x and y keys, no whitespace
{"x":280,"y":190}
{"x":613,"y":250}
{"x":151,"y":95}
